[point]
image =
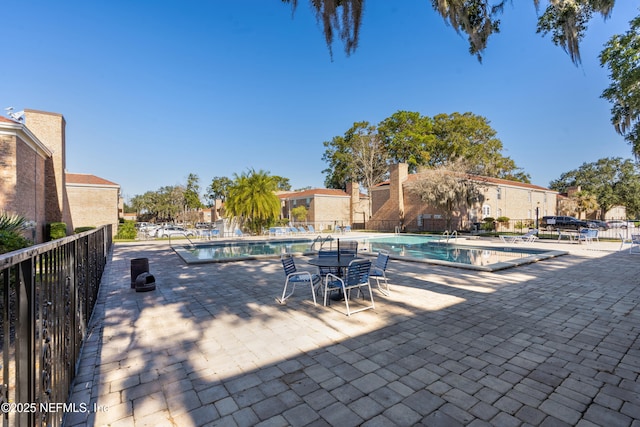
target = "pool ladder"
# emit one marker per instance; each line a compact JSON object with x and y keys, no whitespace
{"x":321,"y":240}
{"x":450,"y":235}
{"x":185,"y":235}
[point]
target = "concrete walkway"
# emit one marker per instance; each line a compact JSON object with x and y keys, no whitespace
{"x":553,"y":343}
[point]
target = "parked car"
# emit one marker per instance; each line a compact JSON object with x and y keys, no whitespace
{"x":555,"y":222}
{"x":618,"y":223}
{"x":174,"y":230}
{"x":596,"y":223}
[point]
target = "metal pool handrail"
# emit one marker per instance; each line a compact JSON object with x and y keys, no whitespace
{"x":453,"y":234}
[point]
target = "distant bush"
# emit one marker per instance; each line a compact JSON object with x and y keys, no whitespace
{"x":79,"y":230}
{"x":488,"y":224}
{"x":57,"y":230}
{"x":127,"y":230}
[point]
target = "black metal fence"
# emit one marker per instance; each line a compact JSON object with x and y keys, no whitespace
{"x":48,"y":294}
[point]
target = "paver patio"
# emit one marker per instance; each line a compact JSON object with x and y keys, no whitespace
{"x":550,"y":344}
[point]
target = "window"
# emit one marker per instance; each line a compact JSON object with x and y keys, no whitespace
{"x":499,"y":193}
{"x":529,"y":196}
{"x":486,"y":211}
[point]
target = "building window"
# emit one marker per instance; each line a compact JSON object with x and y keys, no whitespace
{"x":499,"y":193}
{"x":499,"y":212}
{"x":529,"y":196}
{"x":486,"y":211}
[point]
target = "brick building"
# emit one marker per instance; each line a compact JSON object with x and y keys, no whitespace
{"x":327,"y":208}
{"x":395,"y":205}
{"x":34,"y":180}
{"x":93,"y":201}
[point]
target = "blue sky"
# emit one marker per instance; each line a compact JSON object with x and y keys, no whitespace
{"x":153,"y":93}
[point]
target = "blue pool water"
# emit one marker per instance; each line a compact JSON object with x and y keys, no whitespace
{"x":432,"y":248}
{"x":420,"y":248}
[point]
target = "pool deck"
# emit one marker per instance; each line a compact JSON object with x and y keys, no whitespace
{"x":552,"y":343}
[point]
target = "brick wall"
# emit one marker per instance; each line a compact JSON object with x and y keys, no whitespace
{"x":90,"y":205}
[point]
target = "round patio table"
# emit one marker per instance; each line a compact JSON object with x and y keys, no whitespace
{"x":339,"y":262}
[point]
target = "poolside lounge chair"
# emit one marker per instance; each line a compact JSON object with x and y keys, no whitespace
{"x":294,"y":277}
{"x":238,"y":232}
{"x":357,"y":277}
{"x":301,"y":230}
{"x":509,"y":239}
{"x":530,"y":236}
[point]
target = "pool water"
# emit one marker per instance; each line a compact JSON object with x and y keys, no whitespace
{"x":432,"y":248}
{"x":420,"y":248}
{"x":232,"y":251}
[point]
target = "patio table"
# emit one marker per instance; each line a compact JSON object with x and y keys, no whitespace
{"x":338,"y":262}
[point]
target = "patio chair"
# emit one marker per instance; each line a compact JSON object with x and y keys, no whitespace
{"x":295,"y":277}
{"x":310,"y":228}
{"x":356,"y":278}
{"x":635,"y":243}
{"x":323,"y":271}
{"x":378,"y":272}
{"x":624,"y":241}
{"x":588,"y":235}
{"x":238,"y":232}
{"x":348,"y":247}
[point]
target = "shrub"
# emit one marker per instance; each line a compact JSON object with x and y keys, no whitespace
{"x":79,"y":230}
{"x":11,"y":238}
{"x":488,"y":223}
{"x":57,"y":230}
{"x":127,"y":230}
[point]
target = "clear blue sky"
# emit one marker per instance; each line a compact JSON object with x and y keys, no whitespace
{"x":154,"y":91}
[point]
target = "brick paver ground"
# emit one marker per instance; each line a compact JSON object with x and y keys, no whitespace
{"x":553,"y":343}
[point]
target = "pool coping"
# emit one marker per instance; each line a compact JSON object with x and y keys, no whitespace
{"x":188,"y":258}
{"x":490,"y":267}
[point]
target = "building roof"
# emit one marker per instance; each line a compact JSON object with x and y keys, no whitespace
{"x":7,"y":120}
{"x":484,"y":179}
{"x":313,"y":192}
{"x":87,"y":179}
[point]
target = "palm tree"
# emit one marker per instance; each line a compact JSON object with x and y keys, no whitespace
{"x":252,"y":199}
{"x":11,"y":227}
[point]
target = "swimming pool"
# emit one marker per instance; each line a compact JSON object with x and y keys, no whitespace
{"x":242,"y":250}
{"x":417,"y":248}
{"x":434,"y":250}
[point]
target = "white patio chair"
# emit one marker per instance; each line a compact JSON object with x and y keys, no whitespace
{"x":294,"y":277}
{"x":357,"y":277}
{"x":378,"y":272}
{"x":635,"y":244}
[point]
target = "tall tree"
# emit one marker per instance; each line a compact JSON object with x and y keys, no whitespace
{"x":470,"y":137}
{"x":447,"y":188}
{"x":251,"y":198}
{"x":358,"y":156}
{"x":282,"y":184}
{"x":192,"y":193}
{"x":218,"y":188}
{"x":408,"y":138}
{"x":613,"y":181}
{"x":566,"y":20}
{"x":622,"y":57}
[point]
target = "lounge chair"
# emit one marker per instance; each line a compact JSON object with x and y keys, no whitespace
{"x":311,"y":229}
{"x":509,"y":239}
